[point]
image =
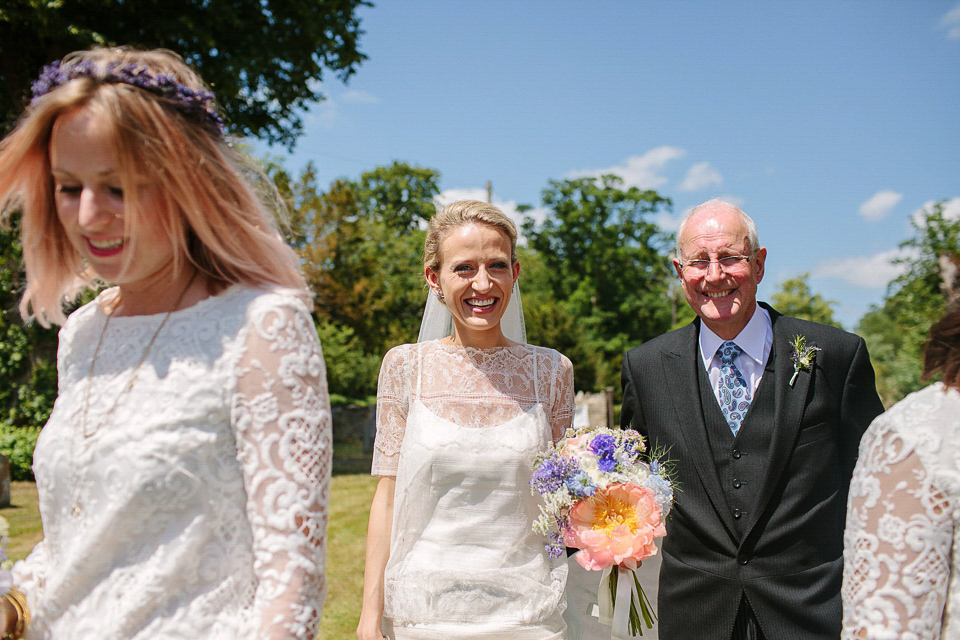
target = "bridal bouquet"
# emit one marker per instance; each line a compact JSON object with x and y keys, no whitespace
{"x":604,"y":496}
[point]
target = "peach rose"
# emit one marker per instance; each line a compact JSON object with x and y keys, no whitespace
{"x":617,"y":526}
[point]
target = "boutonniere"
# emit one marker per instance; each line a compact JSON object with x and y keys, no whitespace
{"x":802,"y":356}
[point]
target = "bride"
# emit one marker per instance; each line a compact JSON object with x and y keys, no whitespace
{"x":450,"y":549}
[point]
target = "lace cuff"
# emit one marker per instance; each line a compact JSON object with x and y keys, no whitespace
{"x":30,"y":574}
{"x":281,"y":416}
{"x":897,"y":543}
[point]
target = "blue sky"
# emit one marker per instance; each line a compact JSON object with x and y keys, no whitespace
{"x":830,"y":122}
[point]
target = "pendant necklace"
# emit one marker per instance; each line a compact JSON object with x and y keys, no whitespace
{"x":79,"y":480}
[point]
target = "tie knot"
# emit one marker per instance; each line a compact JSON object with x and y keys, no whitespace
{"x":729,"y":352}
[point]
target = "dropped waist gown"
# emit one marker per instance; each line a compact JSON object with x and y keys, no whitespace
{"x":459,"y":427}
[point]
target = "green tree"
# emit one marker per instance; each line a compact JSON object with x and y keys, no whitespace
{"x":264,"y":58}
{"x":796,"y":299}
{"x":399,"y":196}
{"x":896,"y":330}
{"x":27,"y":354}
{"x":361,"y":249}
{"x":603,"y":265}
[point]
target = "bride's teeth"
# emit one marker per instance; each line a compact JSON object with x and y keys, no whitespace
{"x":481,"y":303}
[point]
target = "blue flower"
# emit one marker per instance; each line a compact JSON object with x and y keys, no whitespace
{"x":580,"y":485}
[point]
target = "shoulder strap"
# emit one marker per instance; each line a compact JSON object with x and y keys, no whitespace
{"x":536,"y":378}
{"x":419,"y":366}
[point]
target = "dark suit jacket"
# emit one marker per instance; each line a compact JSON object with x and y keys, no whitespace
{"x":785,"y":557}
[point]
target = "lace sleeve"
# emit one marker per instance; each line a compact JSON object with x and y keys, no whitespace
{"x":281,"y":417}
{"x":561,"y":414}
{"x":896,"y":547}
{"x":392,"y":397}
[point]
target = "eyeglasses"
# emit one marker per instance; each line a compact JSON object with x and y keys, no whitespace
{"x":726,"y":263}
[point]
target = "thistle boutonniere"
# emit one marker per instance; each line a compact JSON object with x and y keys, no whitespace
{"x":803,"y":356}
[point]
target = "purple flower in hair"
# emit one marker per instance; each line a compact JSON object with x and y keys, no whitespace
{"x":194,"y":103}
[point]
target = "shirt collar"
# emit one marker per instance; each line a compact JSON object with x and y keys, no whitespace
{"x":754,"y":339}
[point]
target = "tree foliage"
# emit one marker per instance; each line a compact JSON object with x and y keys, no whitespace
{"x":603,"y":267}
{"x":796,"y":299}
{"x":264,"y":58}
{"x":28,"y":377}
{"x":361,"y":247}
{"x":896,"y":330}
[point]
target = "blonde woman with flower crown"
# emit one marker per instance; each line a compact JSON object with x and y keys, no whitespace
{"x":183,"y":475}
{"x":450,"y":548}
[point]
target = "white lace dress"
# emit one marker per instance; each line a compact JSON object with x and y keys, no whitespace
{"x":459,"y":428}
{"x":902,"y":542}
{"x":197,"y":506}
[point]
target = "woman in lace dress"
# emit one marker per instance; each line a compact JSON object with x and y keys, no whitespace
{"x":183,"y":475}
{"x":450,"y":549}
{"x":902,"y":542}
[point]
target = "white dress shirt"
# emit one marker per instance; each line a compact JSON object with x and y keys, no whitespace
{"x":755,"y":341}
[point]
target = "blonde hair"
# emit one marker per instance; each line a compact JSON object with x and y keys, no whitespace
{"x":219,"y":219}
{"x":457,"y":214}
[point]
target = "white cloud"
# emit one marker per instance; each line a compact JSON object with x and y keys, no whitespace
{"x":951,"y":22}
{"x":327,"y":113}
{"x":700,"y":176}
{"x":354,"y":96}
{"x":870,"y":272}
{"x":642,"y":172}
{"x":951,"y":210}
{"x":880,"y":205}
{"x":669,"y":223}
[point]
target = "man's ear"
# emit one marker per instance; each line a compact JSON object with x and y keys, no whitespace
{"x":759,"y":259}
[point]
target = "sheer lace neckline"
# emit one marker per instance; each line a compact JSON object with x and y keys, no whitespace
{"x":449,"y":346}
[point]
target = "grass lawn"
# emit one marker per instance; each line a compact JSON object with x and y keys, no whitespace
{"x":346,"y":536}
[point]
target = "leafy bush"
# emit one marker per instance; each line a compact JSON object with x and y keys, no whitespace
{"x":17,"y":444}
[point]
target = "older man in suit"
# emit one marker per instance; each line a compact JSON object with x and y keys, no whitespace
{"x":764,"y":444}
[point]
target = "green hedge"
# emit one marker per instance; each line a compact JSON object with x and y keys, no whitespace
{"x":17,"y":444}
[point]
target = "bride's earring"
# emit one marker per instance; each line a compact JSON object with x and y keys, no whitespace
{"x":439,"y":295}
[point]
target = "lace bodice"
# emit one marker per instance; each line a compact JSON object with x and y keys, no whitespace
{"x":197,"y":506}
{"x":464,"y":425}
{"x":901,"y":541}
{"x":473,"y":388}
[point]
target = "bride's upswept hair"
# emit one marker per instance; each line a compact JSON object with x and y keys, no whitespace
{"x":219,"y":208}
{"x":457,"y":214}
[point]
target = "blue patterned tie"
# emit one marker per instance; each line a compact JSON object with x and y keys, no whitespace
{"x":734,"y":392}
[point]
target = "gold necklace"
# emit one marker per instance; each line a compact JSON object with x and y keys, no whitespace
{"x":77,"y":485}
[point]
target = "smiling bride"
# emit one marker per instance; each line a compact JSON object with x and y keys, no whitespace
{"x":460,"y":415}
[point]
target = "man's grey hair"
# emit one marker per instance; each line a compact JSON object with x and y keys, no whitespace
{"x":717,"y":203}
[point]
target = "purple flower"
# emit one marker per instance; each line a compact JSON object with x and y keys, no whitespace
{"x":604,"y":446}
{"x":552,"y":473}
{"x":194,"y":103}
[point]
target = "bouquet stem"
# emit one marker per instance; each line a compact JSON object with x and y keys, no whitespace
{"x":627,"y":608}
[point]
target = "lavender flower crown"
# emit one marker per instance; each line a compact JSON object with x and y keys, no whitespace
{"x":195,"y":103}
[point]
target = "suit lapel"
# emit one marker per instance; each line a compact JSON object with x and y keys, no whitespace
{"x":680,"y":370}
{"x":789,"y":405}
